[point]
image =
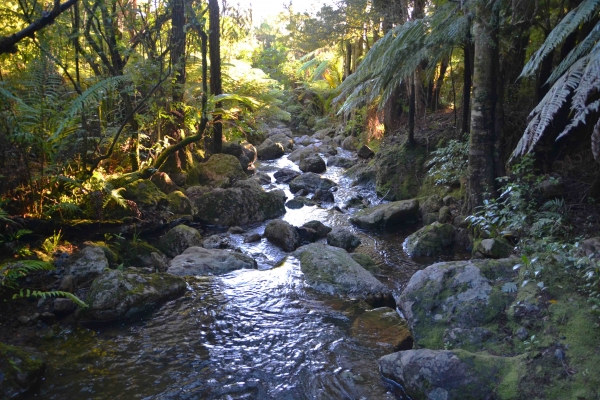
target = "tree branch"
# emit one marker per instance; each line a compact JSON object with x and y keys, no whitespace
{"x":8,"y":43}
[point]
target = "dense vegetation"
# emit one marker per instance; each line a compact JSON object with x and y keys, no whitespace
{"x":501,"y":98}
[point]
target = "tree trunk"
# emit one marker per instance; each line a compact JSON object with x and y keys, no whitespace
{"x":481,"y":151}
{"x":216,"y":87}
{"x":348,"y":60}
{"x":440,"y":81}
{"x":412,"y":111}
{"x":468,"y":82}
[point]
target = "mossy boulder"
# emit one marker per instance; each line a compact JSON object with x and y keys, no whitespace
{"x":492,"y":248}
{"x":311,"y":182}
{"x":366,"y":262}
{"x":163,"y":181}
{"x":21,"y":371}
{"x":387,"y":216}
{"x":399,"y":171}
{"x":430,"y":240}
{"x":343,"y":238}
{"x":456,"y":374}
{"x":282,"y":234}
{"x":138,"y":253}
{"x":331,"y":270}
{"x":179,"y":239}
{"x":121,"y":294}
{"x":384,"y":326}
{"x":179,"y":204}
{"x":110,"y":252}
{"x":244,"y":203}
{"x":198,"y":261}
{"x":220,"y":171}
{"x":146,"y":195}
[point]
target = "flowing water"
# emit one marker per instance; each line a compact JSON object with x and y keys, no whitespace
{"x":250,"y":334}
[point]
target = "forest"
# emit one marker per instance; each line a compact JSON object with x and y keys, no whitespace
{"x":364,"y":199}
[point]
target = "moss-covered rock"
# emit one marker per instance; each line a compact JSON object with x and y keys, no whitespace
{"x":492,"y":248}
{"x":430,"y":240}
{"x":179,"y":239}
{"x":120,"y":294}
{"x":244,"y":203}
{"x":110,"y":252}
{"x":399,"y":171}
{"x":145,"y":194}
{"x":387,"y":216}
{"x":366,"y":262}
{"x":283,"y":234}
{"x":179,"y":204}
{"x":384,"y":326}
{"x":220,"y":171}
{"x":21,"y":371}
{"x":138,"y":253}
{"x":198,"y":261}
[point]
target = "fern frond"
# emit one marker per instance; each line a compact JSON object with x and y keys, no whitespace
{"x":26,"y":293}
{"x":9,"y":273}
{"x":576,"y":53}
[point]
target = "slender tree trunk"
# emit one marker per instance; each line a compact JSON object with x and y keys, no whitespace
{"x":481,"y":177}
{"x":468,"y":82}
{"x":412,"y":111}
{"x":439,"y":83}
{"x":348,"y":59}
{"x":216,"y":88}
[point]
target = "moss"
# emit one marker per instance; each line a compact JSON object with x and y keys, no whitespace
{"x":145,"y":194}
{"x":110,"y":252}
{"x":366,"y":262}
{"x":400,"y":171}
{"x":179,"y":204}
{"x":220,"y":171}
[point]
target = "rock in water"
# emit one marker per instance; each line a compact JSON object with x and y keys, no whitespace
{"x":244,"y":203}
{"x":331,"y":270}
{"x":341,"y":162}
{"x":120,"y":294}
{"x":282,"y":234}
{"x":320,"y":229}
{"x":312,"y":163}
{"x":198,"y":261}
{"x":285,"y":175}
{"x":388,"y":216}
{"x":179,"y":239}
{"x":270,"y":150}
{"x":384,"y":326}
{"x":343,"y":238}
{"x":311,"y":182}
{"x":430,"y":240}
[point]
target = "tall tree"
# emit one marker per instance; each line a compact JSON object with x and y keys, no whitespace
{"x":216,"y":86}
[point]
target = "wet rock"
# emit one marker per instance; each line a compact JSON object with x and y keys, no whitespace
{"x":362,"y":174}
{"x":366,"y":262}
{"x":492,"y":248}
{"x":221,"y":241}
{"x":301,"y":193}
{"x":295,"y":204}
{"x":356,"y":202}
{"x":343,"y":238}
{"x":21,"y":371}
{"x":178,"y":239}
{"x":310,"y":182}
{"x":236,"y":230}
{"x":244,"y":203}
{"x":331,"y":270}
{"x":307,"y":235}
{"x":324,"y":196}
{"x":179,"y":204}
{"x":200,"y":261}
{"x":282,"y":234}
{"x":299,"y":154}
{"x":252,"y":238}
{"x":341,"y":162}
{"x":385,"y":327}
{"x":312,"y":163}
{"x":430,"y":240}
{"x":387,"y":216}
{"x":163,"y":181}
{"x":263,"y":179}
{"x":283,"y":139}
{"x":285,"y":175}
{"x":442,"y":374}
{"x":146,"y":195}
{"x":86,"y":264}
{"x":62,"y":306}
{"x":320,"y":229}
{"x":350,"y":143}
{"x":365,"y":152}
{"x":270,"y":150}
{"x":121,"y":294}
{"x":323,"y":133}
{"x":244,"y":152}
{"x":220,"y":171}
{"x":305,"y":140}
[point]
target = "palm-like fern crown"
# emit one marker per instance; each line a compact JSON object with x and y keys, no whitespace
{"x":576,"y":80}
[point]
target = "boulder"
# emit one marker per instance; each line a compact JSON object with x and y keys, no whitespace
{"x":285,"y":175}
{"x":451,"y":295}
{"x":220,"y":171}
{"x":252,"y":238}
{"x":431,"y":205}
{"x":385,"y":327}
{"x":21,"y":371}
{"x":320,"y":229}
{"x":430,"y":240}
{"x":310,"y":182}
{"x":299,"y":154}
{"x":343,"y":238}
{"x":146,"y":195}
{"x":282,"y":234}
{"x":179,"y":239}
{"x":198,"y":261}
{"x":249,"y":151}
{"x":307,"y":235}
{"x":262,"y":178}
{"x":86,"y":264}
{"x":163,"y":181}
{"x":492,"y":248}
{"x":350,"y":143}
{"x":341,"y":162}
{"x":220,"y":241}
{"x":244,"y":203}
{"x":270,"y":150}
{"x":331,"y":270}
{"x":138,"y":253}
{"x":324,"y":196}
{"x":120,"y":294}
{"x":194,"y":192}
{"x":366,"y":262}
{"x":179,"y":204}
{"x":244,"y":152}
{"x":365,"y":152}
{"x":400,"y":171}
{"x":312,"y":163}
{"x":456,"y":374}
{"x":387,"y":216}
{"x":284,"y":140}
{"x":323,"y":133}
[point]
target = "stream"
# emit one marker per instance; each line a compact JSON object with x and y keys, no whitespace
{"x":250,"y":334}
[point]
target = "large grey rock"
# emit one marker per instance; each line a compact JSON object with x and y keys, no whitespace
{"x":310,"y":182}
{"x":200,"y":261}
{"x":244,"y":203}
{"x":179,"y":239}
{"x":120,"y":294}
{"x":86,"y":264}
{"x":457,"y":374}
{"x":312,"y":163}
{"x":387,"y":216}
{"x":285,"y":175}
{"x":220,"y":171}
{"x":324,"y":196}
{"x":283,"y":139}
{"x":300,"y":153}
{"x":430,"y":240}
{"x":282,"y":234}
{"x":320,"y":229}
{"x":270,"y":150}
{"x":244,"y":152}
{"x":219,"y":241}
{"x":331,"y":270}
{"x":342,"y":162}
{"x":343,"y":238}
